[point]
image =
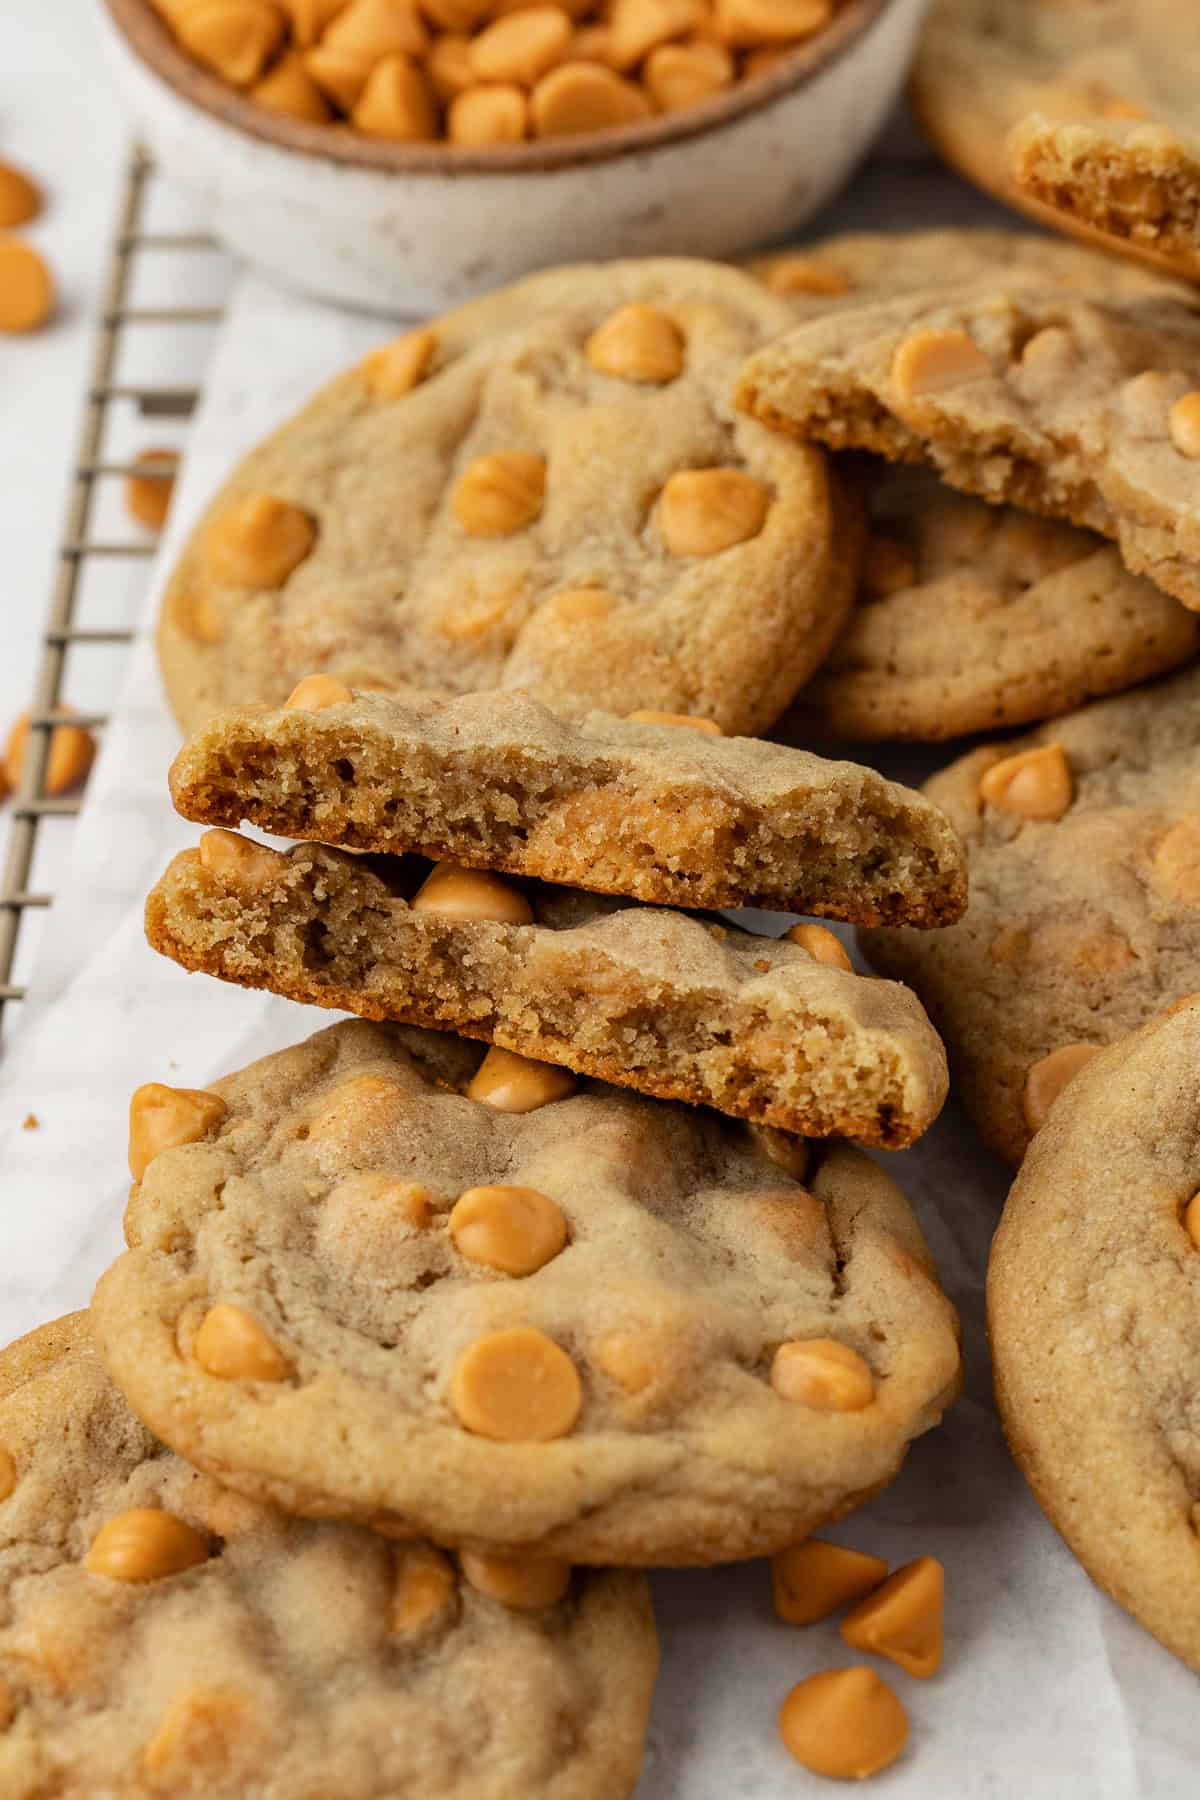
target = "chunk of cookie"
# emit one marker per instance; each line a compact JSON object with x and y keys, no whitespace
{"x":1084,"y":847}
{"x":548,"y":490}
{"x":603,"y":1327}
{"x":160,"y":1634}
{"x":1094,"y":1316}
{"x":1082,"y":409}
{"x":973,"y":617}
{"x":681,"y":1007}
{"x":635,"y":807}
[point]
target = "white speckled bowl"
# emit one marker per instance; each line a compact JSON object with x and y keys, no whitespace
{"x":409,"y":228}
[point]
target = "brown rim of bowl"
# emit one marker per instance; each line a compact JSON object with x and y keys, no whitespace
{"x":147,"y":35}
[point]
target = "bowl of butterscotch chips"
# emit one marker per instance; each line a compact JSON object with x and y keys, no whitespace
{"x":405,"y":154}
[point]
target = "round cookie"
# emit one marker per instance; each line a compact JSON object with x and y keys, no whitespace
{"x":1094,"y":1317}
{"x":603,"y":1327}
{"x":548,"y":489}
{"x":1083,"y":843}
{"x":161,"y":1635}
{"x":972,"y":617}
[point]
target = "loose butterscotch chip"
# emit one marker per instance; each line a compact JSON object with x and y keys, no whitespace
{"x":236,"y":38}
{"x":888,"y":567}
{"x":514,"y":1229}
{"x":20,"y":198}
{"x":316,"y":692}
{"x":637,"y":26}
{"x":310,"y":18}
{"x":377,"y":29}
{"x":495,"y":113}
{"x":704,"y":511}
{"x":342,"y":74}
{"x":801,"y":275}
{"x":590,"y":43}
{"x":677,"y":76}
{"x":845,"y":1723}
{"x":579,"y":97}
{"x":233,"y":1346}
{"x":648,"y":716}
{"x":516,"y":1386}
{"x":821,"y":944}
{"x":1184,"y":424}
{"x":26,"y":287}
{"x":1191,"y":1224}
{"x":145,"y":1544}
{"x":522,"y":46}
{"x":822,"y":1374}
{"x":745,"y":24}
{"x":456,"y":893}
{"x":902,"y":1620}
{"x":149,"y":488}
{"x":72,"y":750}
{"x":161,"y":1118}
{"x":397,"y":103}
{"x":426,"y":1591}
{"x":815,"y":1578}
{"x":637,"y":343}
{"x":1036,"y":783}
{"x":457,"y":16}
{"x":1048,"y":1077}
{"x":514,"y":1581}
{"x":517,"y":1084}
{"x":448,"y":65}
{"x":289,"y":89}
{"x":8,"y":1474}
{"x":238,"y":861}
{"x":931,"y":361}
{"x":501,"y":493}
{"x":258,"y":541}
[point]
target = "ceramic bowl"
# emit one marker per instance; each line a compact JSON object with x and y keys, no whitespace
{"x":409,"y":228}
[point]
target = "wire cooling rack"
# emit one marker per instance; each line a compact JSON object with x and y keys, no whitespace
{"x":134,"y":243}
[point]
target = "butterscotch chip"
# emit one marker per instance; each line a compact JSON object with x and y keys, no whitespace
{"x":647,"y":716}
{"x":514,"y":1581}
{"x":589,"y":43}
{"x":495,"y":113}
{"x":8,"y":1705}
{"x":514,"y":1229}
{"x":702,"y":512}
{"x":1185,"y":424}
{"x":821,"y":944}
{"x":902,"y":1619}
{"x":816,"y":1578}
{"x":745,"y":24}
{"x":258,"y":542}
{"x":20,"y":197}
{"x":27,"y":296}
{"x":517,"y":1386}
{"x":803,"y":275}
{"x":72,"y":751}
{"x":233,"y":1346}
{"x":340,"y":74}
{"x":931,"y":361}
{"x":309,"y":18}
{"x":502,"y":493}
{"x":637,"y":343}
{"x":522,"y":46}
{"x":237,"y":861}
{"x":145,"y":1544}
{"x":289,"y":88}
{"x":823,"y":1374}
{"x":1036,"y":784}
{"x":8,"y":1474}
{"x":1047,"y":1079}
{"x":376,"y":30}
{"x":459,"y":17}
{"x":148,"y":493}
{"x":1191,"y":1224}
{"x":161,"y":1118}
{"x":636,"y":27}
{"x":681,"y":75}
{"x":236,"y":38}
{"x":518,"y":1084}
{"x":846,"y":1723}
{"x":426,"y":1592}
{"x":197,"y":617}
{"x":316,"y":692}
{"x":457,"y":893}
{"x":206,"y":1730}
{"x":578,"y":97}
{"x":397,"y":103}
{"x":449,"y":65}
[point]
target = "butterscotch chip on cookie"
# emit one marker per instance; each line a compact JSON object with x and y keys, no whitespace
{"x":572,"y":1349}
{"x":674,"y":1005}
{"x":433,"y":516}
{"x":1063,"y":406}
{"x":160,"y":1634}
{"x":1094,"y":1319}
{"x":1084,"y":848}
{"x":636,"y":807}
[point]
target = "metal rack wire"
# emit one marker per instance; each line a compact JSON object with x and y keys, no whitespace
{"x":78,"y":549}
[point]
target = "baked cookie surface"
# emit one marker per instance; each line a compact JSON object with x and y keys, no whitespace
{"x":1084,"y":846}
{"x":549,"y":489}
{"x":160,"y":1635}
{"x":1094,"y":1319}
{"x":651,"y":811}
{"x":605,"y":1328}
{"x":682,"y":1007}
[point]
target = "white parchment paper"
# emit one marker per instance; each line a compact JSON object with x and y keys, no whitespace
{"x":1048,"y":1691}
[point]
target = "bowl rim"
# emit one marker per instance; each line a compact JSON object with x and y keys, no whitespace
{"x":146,"y":34}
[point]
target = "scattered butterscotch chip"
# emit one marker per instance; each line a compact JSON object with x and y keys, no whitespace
{"x":314,"y":693}
{"x":823,"y":1374}
{"x":685,"y":721}
{"x":31,"y":1122}
{"x":517,"y":1084}
{"x":637,"y":343}
{"x":581,"y":97}
{"x":1191,"y":1222}
{"x":501,"y":493}
{"x":145,"y":1544}
{"x":457,"y":893}
{"x":514,"y":1229}
{"x":845,"y":1723}
{"x":289,"y":88}
{"x":150,"y":486}
{"x":931,"y":361}
{"x":233,"y":1346}
{"x":516,"y":1581}
{"x":704,"y":511}
{"x":821,"y":943}
{"x":161,"y":1118}
{"x":902,"y":1619}
{"x":397,"y":103}
{"x":258,"y":541}
{"x":20,"y":197}
{"x":27,"y":297}
{"x":1048,"y":1077}
{"x":234,"y":38}
{"x":516,"y":1386}
{"x":72,"y":749}
{"x":815,"y":1578}
{"x":1036,"y":783}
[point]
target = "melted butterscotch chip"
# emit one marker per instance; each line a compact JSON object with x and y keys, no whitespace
{"x":702,"y":512}
{"x":517,"y":1084}
{"x":1176,"y":862}
{"x":145,"y":1544}
{"x":161,"y":1118}
{"x":453,"y":892}
{"x":821,"y":944}
{"x":500,"y":494}
{"x":425,"y":1596}
{"x":637,"y":343}
{"x":233,"y":1346}
{"x":1036,"y":784}
{"x":931,"y":361}
{"x":517,"y":1386}
{"x":258,"y":542}
{"x":316,"y":692}
{"x":396,"y":368}
{"x":1048,"y":1077}
{"x":516,"y":1582}
{"x":513,"y":1229}
{"x":823,"y":1374}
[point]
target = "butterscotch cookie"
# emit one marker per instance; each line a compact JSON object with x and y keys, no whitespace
{"x":160,"y":1635}
{"x":983,"y":65}
{"x":599,"y":1327}
{"x":1085,"y":409}
{"x":972,"y":617}
{"x":1084,"y":847}
{"x":549,"y":489}
{"x":1094,"y":1313}
{"x":681,"y":1007}
{"x":635,"y":807}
